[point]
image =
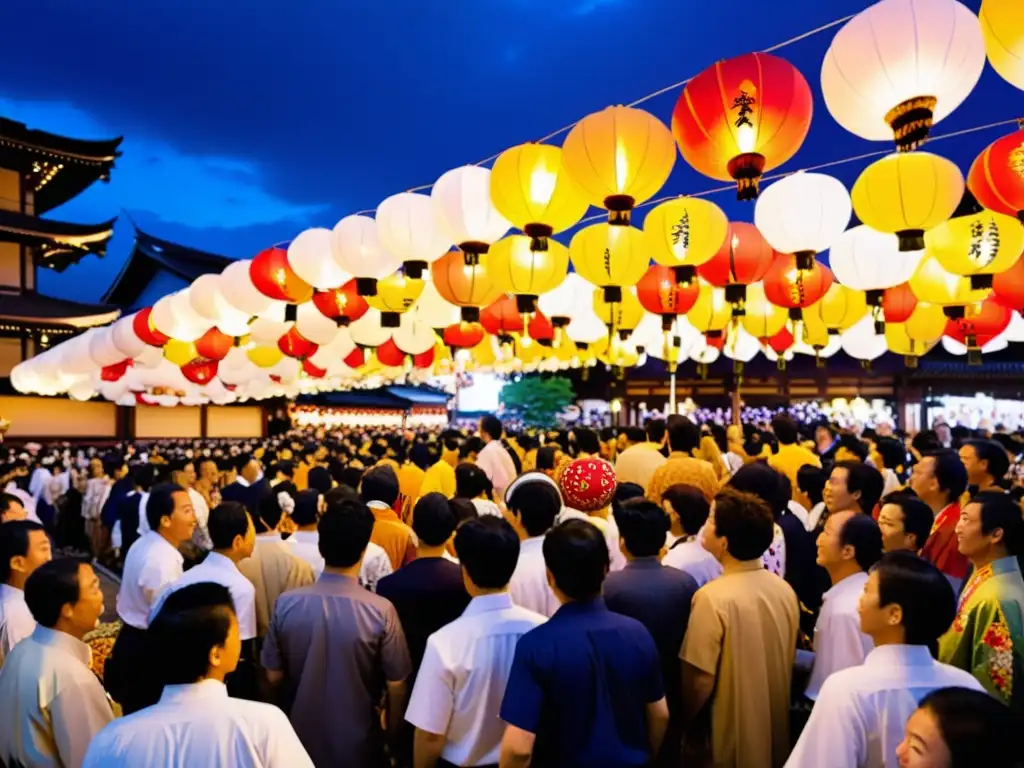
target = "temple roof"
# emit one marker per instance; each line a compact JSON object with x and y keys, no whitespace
{"x":149,"y":256}
{"x":60,"y":243}
{"x":37,"y":309}
{"x":58,"y":167}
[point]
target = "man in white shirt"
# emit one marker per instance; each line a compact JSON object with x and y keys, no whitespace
{"x":860,"y":714}
{"x":196,"y":724}
{"x":535,"y":503}
{"x":688,"y":509}
{"x":24,"y":546}
{"x":152,"y":563}
{"x":638,"y":463}
{"x":53,"y":704}
{"x":848,"y":548}
{"x":494,"y":459}
{"x":456,"y":700}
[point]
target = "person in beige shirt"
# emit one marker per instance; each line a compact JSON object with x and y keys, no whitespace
{"x":638,"y":463}
{"x":740,"y":642}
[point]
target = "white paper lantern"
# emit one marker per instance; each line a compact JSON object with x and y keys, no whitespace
{"x":409,"y":227}
{"x":208,"y":301}
{"x":908,"y":60}
{"x":82,"y":390}
{"x":114,"y":390}
{"x":414,"y":337}
{"x":803,"y":348}
{"x":150,"y":357}
{"x":74,"y":355}
{"x":433,"y":310}
{"x":741,"y":346}
{"x":331,"y":356}
{"x":124,"y":338}
{"x":359,"y":251}
{"x":367,"y":330}
{"x":311,"y":323}
{"x":861,"y":342}
{"x":704,"y":353}
{"x":311,"y":256}
{"x":573,"y":296}
{"x":237,"y":288}
{"x":868,"y":260}
{"x":102,"y":350}
{"x":462,"y":199}
{"x":22,"y":378}
{"x":1015,"y":330}
{"x":802,"y":213}
{"x":586,"y":327}
{"x":954,"y":347}
{"x":173,"y":316}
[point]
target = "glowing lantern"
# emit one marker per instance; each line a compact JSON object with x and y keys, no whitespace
{"x":977,"y":328}
{"x":461,"y":279}
{"x":867,"y":260}
{"x":781,"y":341}
{"x":900,"y":66}
{"x":621,"y":316}
{"x":934,"y":285}
{"x":464,"y":211}
{"x":926,"y":323}
{"x":1008,"y":286}
{"x":274,"y":277}
{"x":517,"y":268}
{"x":762,"y":319}
{"x":142,"y":324}
{"x":343,"y":305}
{"x":408,"y":226}
{"x":619,"y":157}
{"x":502,"y":317}
{"x":358,"y":251}
{"x":355,"y":359}
{"x":862,"y":343}
{"x":311,"y":324}
{"x":239,"y":292}
{"x":207,"y":299}
{"x":311,"y":256}
{"x":200,"y":371}
{"x":265,"y":356}
{"x":610,"y":257}
{"x":180,"y":352}
{"x":313,"y":371}
{"x":464,"y":335}
{"x":996,"y":177}
{"x":976,"y":243}
{"x":840,"y":308}
{"x":414,"y":337}
{"x":908,"y":194}
{"x":803,"y":214}
{"x":368,"y":331}
{"x":685,"y":233}
{"x":742,"y":117}
{"x":424,"y":359}
{"x":174,"y":317}
{"x":1002,"y":25}
{"x":660,"y":293}
{"x":395,"y":295}
{"x":293,"y":344}
{"x":786,"y":285}
{"x":214,"y":345}
{"x":390,"y":355}
{"x":898,"y":303}
{"x":114,"y":372}
{"x":433,"y":310}
{"x":744,"y":258}
{"x":711,"y":312}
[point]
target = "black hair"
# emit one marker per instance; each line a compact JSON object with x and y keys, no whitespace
{"x":746,"y":521}
{"x":762,"y":481}
{"x":488,"y":548}
{"x":865,"y":479}
{"x":320,"y":479}
{"x":683,"y":434}
{"x":50,"y":587}
{"x":380,"y":484}
{"x":15,"y":537}
{"x":433,"y":520}
{"x":690,"y":504}
{"x":626,"y":492}
{"x":351,"y":476}
{"x":463,"y":509}
{"x":471,"y":445}
{"x":921,"y":591}
{"x":643,"y":525}
{"x":655,"y":430}
{"x":345,"y":530}
{"x":811,"y":480}
{"x":577,"y":555}
{"x":977,"y":728}
{"x":341,"y":493}
{"x":491,"y":426}
{"x":307,"y":508}
{"x":994,"y":456}
{"x":587,"y":440}
{"x":286,"y":468}
{"x":636,"y":434}
{"x":785,"y":429}
{"x":950,"y":473}
{"x":537,"y":503}
{"x":269,"y":512}
{"x":854,"y":445}
{"x":998,"y":510}
{"x":719,"y":435}
{"x":112,"y":463}
{"x":241,"y":461}
{"x":926,"y":442}
{"x":546,"y":457}
{"x":179,"y":464}
{"x":451,"y":439}
{"x":227,"y":520}
{"x":917,"y":516}
{"x":863,"y":534}
{"x":161,"y":503}
{"x":191,"y":622}
{"x":892,"y":451}
{"x":471,"y":481}
{"x":6,"y":500}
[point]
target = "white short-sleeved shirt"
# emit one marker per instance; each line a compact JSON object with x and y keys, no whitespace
{"x":152,"y":563}
{"x":199,"y":726}
{"x":838,"y":641}
{"x":691,"y":557}
{"x":861,"y":712}
{"x":16,"y":622}
{"x":498,"y":466}
{"x":462,"y":679}
{"x":220,"y":570}
{"x":529,"y":585}
{"x":376,"y":563}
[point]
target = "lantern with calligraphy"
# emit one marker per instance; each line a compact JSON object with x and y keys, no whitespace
{"x":744,"y":258}
{"x":1008,"y":286}
{"x":516,"y":267}
{"x":274,"y":277}
{"x":976,"y":242}
{"x":742,"y":117}
{"x":621,"y":316}
{"x":996,"y":177}
{"x":786,"y":285}
{"x":684,"y":233}
{"x":395,"y":296}
{"x":978,"y":327}
{"x":898,"y":303}
{"x":461,"y":279}
{"x":610,"y":257}
{"x":410,"y":227}
{"x":803,"y":214}
{"x":660,"y":294}
{"x":1002,"y":25}
{"x":359,"y":251}
{"x":342,"y":305}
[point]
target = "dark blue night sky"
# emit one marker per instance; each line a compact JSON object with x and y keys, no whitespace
{"x":246,"y":121}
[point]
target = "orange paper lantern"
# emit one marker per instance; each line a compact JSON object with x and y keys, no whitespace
{"x":898,"y":303}
{"x":344,"y":305}
{"x":1008,"y":286}
{"x":996,"y":177}
{"x":294,"y":344}
{"x":214,"y":345}
{"x":786,"y":285}
{"x":977,"y":329}
{"x":462,"y":280}
{"x":273,"y":276}
{"x":463,"y":335}
{"x":661,"y":294}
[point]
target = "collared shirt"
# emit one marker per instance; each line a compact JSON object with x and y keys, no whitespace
{"x":838,"y":641}
{"x":439,"y":478}
{"x":743,"y":626}
{"x":273,"y":570}
{"x":941,"y":548}
{"x":390,"y":533}
{"x":529,"y":585}
{"x":221,"y":570}
{"x":462,"y":680}
{"x":497,"y":465}
{"x":53,"y":704}
{"x":691,"y":557}
{"x":200,"y":726}
{"x":861,"y":712}
{"x":581,"y":682}
{"x":638,"y":463}
{"x":376,"y":563}
{"x":336,"y":644}
{"x":152,"y":563}
{"x":683,"y":468}
{"x":16,"y":621}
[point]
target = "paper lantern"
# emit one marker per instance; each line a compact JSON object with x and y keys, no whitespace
{"x":711,"y":312}
{"x":311,"y":256}
{"x":82,"y":391}
{"x":237,"y":287}
{"x":868,"y":260}
{"x":1002,"y":25}
{"x":214,"y":345}
{"x":996,"y":177}
{"x":586,"y":327}
{"x":573,"y":297}
{"x":463,"y":208}
{"x":502,"y":317}
{"x":861,"y":342}
{"x":898,"y":303}
{"x":934,"y":285}
{"x":660,"y":293}
{"x":619,"y":157}
{"x":926,"y":323}
{"x":265,"y":356}
{"x":395,"y":295}
{"x":142,"y":324}
{"x":359,"y":251}
{"x":463,"y":335}
{"x":610,"y":256}
{"x":208,"y":301}
{"x":174,"y":317}
{"x":102,"y":350}
{"x":761,"y":318}
{"x":781,"y":341}
{"x":313,"y":371}
{"x":786,"y":285}
{"x":744,"y":258}
{"x":908,"y":194}
{"x":900,"y":66}
{"x":424,"y":360}
{"x":1008,"y":286}
{"x":367,"y":331}
{"x":742,"y":117}
{"x":356,"y":358}
{"x":123,"y":335}
{"x":685,"y":233}
{"x":109,"y":373}
{"x":294,"y":344}
{"x":408,"y":225}
{"x":840,"y":308}
{"x":432,"y":309}
{"x":517,"y":267}
{"x":461,"y":279}
{"x":622,"y":315}
{"x":803,"y":214}
{"x":343,"y":305}
{"x":274,"y":277}
{"x":180,"y":352}
{"x":977,"y":328}
{"x":200,"y":371}
{"x":390,"y":355}
{"x":311,"y":324}
{"x":414,"y":337}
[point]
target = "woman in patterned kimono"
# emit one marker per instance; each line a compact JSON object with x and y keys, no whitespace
{"x":987,"y":636}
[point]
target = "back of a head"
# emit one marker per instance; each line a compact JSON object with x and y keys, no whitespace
{"x":463,"y":509}
{"x":867,"y":480}
{"x":307,"y":508}
{"x":683,"y":435}
{"x":161,"y":503}
{"x":52,"y":586}
{"x":351,"y":477}
{"x":950,"y":473}
{"x":285,"y":468}
{"x":546,"y":457}
{"x":855,"y":446}
{"x":341,"y":493}
{"x":470,"y":481}
{"x":451,"y":439}
{"x":999,"y":510}
{"x":690,"y":504}
{"x":746,"y":521}
{"x":191,"y":622}
{"x":893,"y":453}
{"x":626,"y":492}
{"x":762,"y":481}
{"x":227,"y":520}
{"x":471,"y":445}
{"x":785,"y":429}
{"x":320,"y":479}
{"x":863,"y":534}
{"x":112,"y":464}
{"x":636,"y":434}
{"x":488,"y":549}
{"x":643,"y":525}
{"x":7,"y":500}
{"x":926,"y":442}
{"x":15,"y":538}
{"x":241,"y":461}
{"x":380,"y":484}
{"x":992,"y":453}
{"x":977,"y":728}
{"x":922,"y":592}
{"x":577,"y":555}
{"x":655,"y":430}
{"x":537,"y":502}
{"x":918,"y":517}
{"x":433,"y":520}
{"x":269,"y":513}
{"x":491,"y":426}
{"x":145,"y":476}
{"x":587,"y":441}
{"x":345,"y":530}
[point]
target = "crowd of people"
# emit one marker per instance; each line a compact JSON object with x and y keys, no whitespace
{"x":667,"y":595}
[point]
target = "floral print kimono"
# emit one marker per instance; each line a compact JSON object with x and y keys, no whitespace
{"x":987,"y":636}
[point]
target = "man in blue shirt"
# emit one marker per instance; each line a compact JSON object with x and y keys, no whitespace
{"x":585,"y":688}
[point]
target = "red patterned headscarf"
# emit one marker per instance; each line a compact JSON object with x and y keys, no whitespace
{"x":588,"y":485}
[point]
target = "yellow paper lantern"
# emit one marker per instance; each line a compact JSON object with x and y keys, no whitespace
{"x":620,"y":157}
{"x":926,"y":323}
{"x":900,"y":343}
{"x":265,"y":356}
{"x":527,"y":268}
{"x":840,"y":308}
{"x":761,"y":318}
{"x":908,"y":193}
{"x":622,"y":316}
{"x":934,"y":285}
{"x":1002,"y":25}
{"x":712,"y":311}
{"x":610,"y":256}
{"x":180,"y":352}
{"x":395,"y":295}
{"x":685,"y":232}
{"x":977,"y":244}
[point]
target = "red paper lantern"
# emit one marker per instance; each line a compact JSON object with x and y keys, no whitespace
{"x":200,"y":371}
{"x":715,"y":339}
{"x":273,"y":276}
{"x":742,"y":117}
{"x":1008,"y":286}
{"x":423,"y":359}
{"x":464,"y":335}
{"x":898,"y":303}
{"x":780,"y":342}
{"x":540,"y":328}
{"x":143,"y":326}
{"x":389,"y":354}
{"x":294,"y":344}
{"x":214,"y":345}
{"x":661,"y":294}
{"x":785,"y":285}
{"x":996,"y":177}
{"x":980,"y":328}
{"x":343,"y":305}
{"x":502,"y":318}
{"x":355,"y":359}
{"x":744,"y":258}
{"x":312,"y":370}
{"x":116,"y":371}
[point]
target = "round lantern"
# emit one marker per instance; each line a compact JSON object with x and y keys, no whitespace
{"x":355,"y":359}
{"x":294,"y":344}
{"x":786,"y":285}
{"x":207,"y":299}
{"x":461,"y":279}
{"x":861,"y":342}
{"x":1002,"y":25}
{"x":463,"y":335}
{"x":395,"y":295}
{"x":623,"y":315}
{"x":311,"y":256}
{"x":414,"y":337}
{"x":868,"y":260}
{"x":236,"y":285}
{"x":781,"y":341}
{"x":934,"y":285}
{"x":908,"y":194}
{"x":408,"y":226}
{"x":432,"y":309}
{"x":898,"y":303}
{"x":996,"y":177}
{"x":685,"y":233}
{"x":711,"y":312}
{"x":1008,"y":286}
{"x":390,"y":355}
{"x":180,"y":352}
{"x":368,"y":331}
{"x":122,"y":333}
{"x":900,"y":66}
{"x":200,"y":371}
{"x":313,"y":371}
{"x":977,"y":328}
{"x":274,"y":277}
{"x":142,"y":324}
{"x":343,"y":305}
{"x":214,"y":345}
{"x":901,"y":342}
{"x":619,"y":157}
{"x":660,"y":294}
{"x":803,"y":214}
{"x":742,"y":117}
{"x":744,"y":258}
{"x":424,"y":359}
{"x":173,"y":316}
{"x":502,"y":317}
{"x":926,"y":323}
{"x":358,"y":251}
{"x":265,"y":356}
{"x":840,"y":308}
{"x":762,"y":319}
{"x":610,"y":257}
{"x":110,"y":373}
{"x":311,"y":324}
{"x":102,"y":349}
{"x":517,"y":267}
{"x":463,"y":208}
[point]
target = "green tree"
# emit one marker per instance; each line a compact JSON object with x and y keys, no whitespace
{"x":538,"y":399}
